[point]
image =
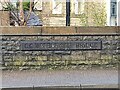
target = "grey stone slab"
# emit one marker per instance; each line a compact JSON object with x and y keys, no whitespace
{"x":59,"y":78}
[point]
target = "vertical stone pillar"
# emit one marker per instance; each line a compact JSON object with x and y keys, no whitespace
{"x":108,"y":12}
{"x":46,"y":12}
{"x":21,"y":12}
{"x":4,"y":18}
{"x":0,"y":59}
{"x":118,"y":24}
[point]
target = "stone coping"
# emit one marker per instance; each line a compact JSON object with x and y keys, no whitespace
{"x":58,"y":30}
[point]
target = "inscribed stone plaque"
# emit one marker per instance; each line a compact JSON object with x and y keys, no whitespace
{"x":60,"y":45}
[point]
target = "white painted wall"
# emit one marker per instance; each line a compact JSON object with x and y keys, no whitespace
{"x":118,"y":13}
{"x":108,"y":12}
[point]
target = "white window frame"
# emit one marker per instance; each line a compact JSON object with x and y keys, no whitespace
{"x":76,"y":7}
{"x":82,"y":6}
{"x":118,"y":13}
{"x":38,"y":5}
{"x":56,"y":8}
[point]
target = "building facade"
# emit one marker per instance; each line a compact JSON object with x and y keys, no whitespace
{"x":53,"y":13}
{"x":82,"y":12}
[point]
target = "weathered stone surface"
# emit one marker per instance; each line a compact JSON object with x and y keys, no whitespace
{"x":17,"y":59}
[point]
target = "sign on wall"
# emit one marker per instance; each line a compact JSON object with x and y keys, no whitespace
{"x":60,"y":45}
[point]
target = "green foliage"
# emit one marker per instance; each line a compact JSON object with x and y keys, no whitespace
{"x":10,"y":6}
{"x":26,"y":5}
{"x":83,"y":19}
{"x":94,"y":15}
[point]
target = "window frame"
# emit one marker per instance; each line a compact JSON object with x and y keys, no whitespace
{"x":40,"y":3}
{"x":55,"y":7}
{"x":79,"y":7}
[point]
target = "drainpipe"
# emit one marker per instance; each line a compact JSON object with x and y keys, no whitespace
{"x":67,"y":12}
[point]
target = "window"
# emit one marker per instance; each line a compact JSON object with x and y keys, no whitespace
{"x":38,"y":4}
{"x":113,"y":8}
{"x":56,"y":7}
{"x":79,"y":6}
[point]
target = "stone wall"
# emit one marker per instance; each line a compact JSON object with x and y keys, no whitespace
{"x":14,"y":58}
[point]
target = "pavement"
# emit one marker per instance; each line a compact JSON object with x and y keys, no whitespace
{"x":99,"y":78}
